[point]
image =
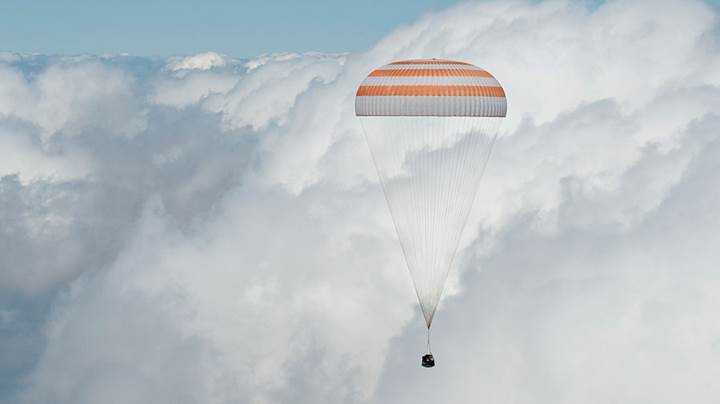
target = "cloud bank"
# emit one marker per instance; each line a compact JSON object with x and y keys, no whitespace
{"x":211,"y":230}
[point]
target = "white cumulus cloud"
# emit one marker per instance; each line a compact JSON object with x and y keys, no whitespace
{"x":200,"y":61}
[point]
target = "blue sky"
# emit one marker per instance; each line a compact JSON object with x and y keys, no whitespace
{"x":237,"y":28}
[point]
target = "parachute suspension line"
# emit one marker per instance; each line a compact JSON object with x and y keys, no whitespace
{"x":428,"y":341}
{"x":487,"y":131}
{"x":429,"y":169}
{"x":380,"y":173}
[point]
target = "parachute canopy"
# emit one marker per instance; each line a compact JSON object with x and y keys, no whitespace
{"x":430,"y":125}
{"x":430,"y":88}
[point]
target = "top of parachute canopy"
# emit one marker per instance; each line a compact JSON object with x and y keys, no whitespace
{"x":430,"y":87}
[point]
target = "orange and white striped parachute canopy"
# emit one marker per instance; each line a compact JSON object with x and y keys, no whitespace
{"x":430,"y":87}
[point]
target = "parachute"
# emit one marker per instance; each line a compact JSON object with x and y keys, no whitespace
{"x":430,"y":125}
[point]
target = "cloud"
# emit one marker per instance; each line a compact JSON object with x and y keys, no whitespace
{"x":21,"y":154}
{"x":218,"y":234}
{"x":267,"y":93}
{"x":200,"y":61}
{"x":71,"y":98}
{"x":192,"y":87}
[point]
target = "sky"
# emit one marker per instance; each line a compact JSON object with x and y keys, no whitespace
{"x":236,"y":28}
{"x":203,"y":227}
{"x":166,"y":27}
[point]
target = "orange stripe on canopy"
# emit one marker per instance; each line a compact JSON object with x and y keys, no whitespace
{"x":430,"y":72}
{"x":449,"y":91}
{"x":428,"y":62}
